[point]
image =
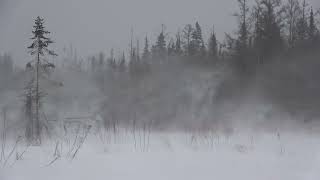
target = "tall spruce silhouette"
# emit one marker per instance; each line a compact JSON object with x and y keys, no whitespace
{"x":39,"y":49}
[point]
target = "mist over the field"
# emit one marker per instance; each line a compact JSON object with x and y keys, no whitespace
{"x":171,"y":89}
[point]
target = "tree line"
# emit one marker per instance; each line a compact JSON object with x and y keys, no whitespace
{"x":266,"y":29}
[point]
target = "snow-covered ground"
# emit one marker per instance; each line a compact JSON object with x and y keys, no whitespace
{"x":165,"y":156}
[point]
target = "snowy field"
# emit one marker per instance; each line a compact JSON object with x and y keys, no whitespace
{"x":164,"y":156}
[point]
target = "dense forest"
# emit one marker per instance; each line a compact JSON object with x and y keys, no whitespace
{"x":265,"y":74}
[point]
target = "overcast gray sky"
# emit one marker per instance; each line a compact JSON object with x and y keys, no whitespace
{"x":94,"y":25}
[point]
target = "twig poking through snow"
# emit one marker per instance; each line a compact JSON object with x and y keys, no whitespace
{"x":13,"y":149}
{"x":81,"y":142}
{"x":54,"y":160}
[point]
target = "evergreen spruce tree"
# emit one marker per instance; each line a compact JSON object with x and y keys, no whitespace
{"x":122,"y":63}
{"x":146,"y":52}
{"x":101,"y":60}
{"x":161,"y":45}
{"x":241,"y":43}
{"x":312,"y":31}
{"x":302,"y":25}
{"x":257,"y":44}
{"x":6,"y":70}
{"x":213,"y":46}
{"x":138,"y":52}
{"x":99,"y":63}
{"x":197,"y":44}
{"x":112,"y":61}
{"x":39,"y":49}
{"x":268,"y":29}
{"x":243,"y":25}
{"x":187,"y":38}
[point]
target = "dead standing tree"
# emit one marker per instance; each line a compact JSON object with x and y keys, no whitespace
{"x":39,"y":66}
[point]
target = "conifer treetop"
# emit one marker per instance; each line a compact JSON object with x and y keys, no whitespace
{"x":40,"y":41}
